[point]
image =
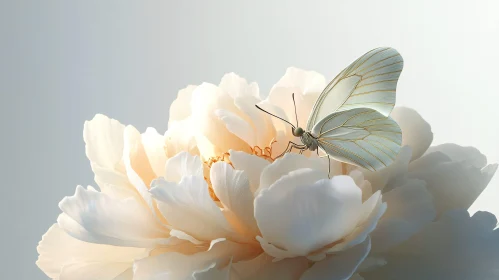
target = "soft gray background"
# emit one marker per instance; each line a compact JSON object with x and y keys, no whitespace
{"x":61,"y":62}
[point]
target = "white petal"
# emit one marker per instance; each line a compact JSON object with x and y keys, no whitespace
{"x":264,"y":268}
{"x":94,"y":217}
{"x":416,"y":132}
{"x":181,"y":107}
{"x":154,"y":146}
{"x":453,"y":185}
{"x":470,"y":155}
{"x":181,"y":165}
{"x":236,"y":86}
{"x":60,"y":252}
{"x":251,"y":164}
{"x":290,"y":162}
{"x":187,"y":206}
{"x":233,"y":189}
{"x":104,"y":141}
{"x":302,"y":213}
{"x":174,"y":265}
{"x":306,"y":81}
{"x":237,"y":126}
{"x":410,"y":208}
{"x":340,"y":266}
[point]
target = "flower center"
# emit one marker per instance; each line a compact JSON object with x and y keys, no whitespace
{"x":265,"y":153}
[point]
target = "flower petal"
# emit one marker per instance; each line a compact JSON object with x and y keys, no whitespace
{"x":288,"y":163}
{"x":252,"y":165}
{"x":416,"y":132}
{"x":95,"y":217}
{"x":154,"y":146}
{"x":302,"y":213}
{"x":181,"y":165}
{"x":410,"y":208}
{"x":180,"y":137}
{"x":237,"y":126}
{"x":233,"y":189}
{"x":264,"y":268}
{"x":340,"y":266}
{"x":187,"y":206}
{"x":236,"y":86}
{"x":181,"y":107}
{"x":470,"y":155}
{"x":174,"y":265}
{"x":455,"y":247}
{"x":380,"y":179}
{"x":453,"y":185}
{"x":58,"y":252}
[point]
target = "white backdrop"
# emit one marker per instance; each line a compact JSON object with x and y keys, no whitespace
{"x":61,"y":62}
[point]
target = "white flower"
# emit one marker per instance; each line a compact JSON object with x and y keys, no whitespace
{"x":208,"y":200}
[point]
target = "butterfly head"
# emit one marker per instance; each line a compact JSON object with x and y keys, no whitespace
{"x":298,"y":132}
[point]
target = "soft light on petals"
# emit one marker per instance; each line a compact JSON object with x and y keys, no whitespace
{"x":302,"y":212}
{"x":236,"y":86}
{"x":59,"y":252}
{"x":154,"y":146}
{"x":181,"y":165}
{"x":187,"y":206}
{"x":173,"y":265}
{"x":416,"y":132}
{"x":95,"y":217}
{"x":252,"y":165}
{"x":340,"y":266}
{"x":181,"y":107}
{"x":264,"y":268}
{"x":233,"y":189}
{"x":290,"y":162}
{"x":237,"y":126}
{"x":180,"y":137}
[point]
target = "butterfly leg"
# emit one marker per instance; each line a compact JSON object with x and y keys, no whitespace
{"x":290,"y":146}
{"x":329,"y":167}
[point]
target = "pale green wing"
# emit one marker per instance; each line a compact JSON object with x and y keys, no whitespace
{"x":361,"y":136}
{"x":369,"y":82}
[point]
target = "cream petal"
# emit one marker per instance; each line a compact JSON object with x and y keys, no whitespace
{"x":264,"y":268}
{"x":416,"y":132}
{"x":237,"y":126}
{"x":340,"y":266}
{"x":181,"y":165}
{"x":104,"y":144}
{"x":174,"y":265}
{"x":179,"y":137}
{"x":470,"y":155}
{"x":410,"y":208}
{"x":181,"y":107}
{"x":251,"y":164}
{"x":236,"y":86}
{"x":208,"y":98}
{"x":288,"y":163}
{"x":187,"y":206}
{"x":262,"y":124}
{"x":301,"y":212}
{"x":233,"y":189}
{"x":306,"y":81}
{"x":154,"y":146}
{"x":95,"y":217}
{"x":59,"y":252}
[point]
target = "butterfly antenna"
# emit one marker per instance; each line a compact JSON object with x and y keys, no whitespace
{"x":294,"y":104}
{"x":275,"y":116}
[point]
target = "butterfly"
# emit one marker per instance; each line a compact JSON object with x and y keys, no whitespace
{"x":350,"y":120}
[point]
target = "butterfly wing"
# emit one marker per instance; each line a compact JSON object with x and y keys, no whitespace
{"x":361,"y":136}
{"x":369,"y":82}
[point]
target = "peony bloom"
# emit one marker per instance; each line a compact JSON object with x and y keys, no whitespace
{"x":209,"y":200}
